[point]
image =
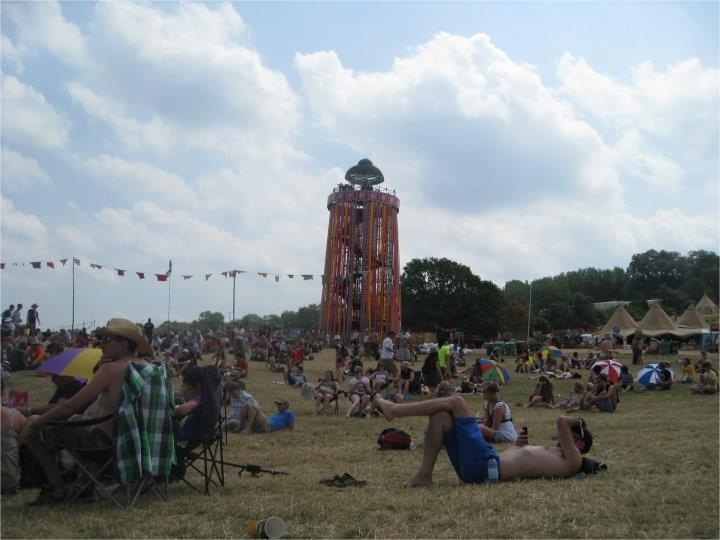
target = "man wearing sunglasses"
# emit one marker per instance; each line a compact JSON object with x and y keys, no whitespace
{"x":452,"y":425}
{"x":121,"y":340}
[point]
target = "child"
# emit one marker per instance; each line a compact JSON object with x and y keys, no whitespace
{"x":626,"y":379}
{"x":688,"y":371}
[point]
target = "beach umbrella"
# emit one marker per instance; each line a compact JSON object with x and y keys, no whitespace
{"x":73,"y":363}
{"x":611,"y":368}
{"x":650,"y":375}
{"x":492,"y":371}
{"x":550,"y":350}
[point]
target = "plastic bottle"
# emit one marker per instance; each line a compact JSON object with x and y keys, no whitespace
{"x":493,"y":472}
{"x":413,"y":445}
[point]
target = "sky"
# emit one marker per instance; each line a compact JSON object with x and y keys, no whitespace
{"x":524,"y":139}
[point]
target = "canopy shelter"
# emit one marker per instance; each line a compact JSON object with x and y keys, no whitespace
{"x":706,"y":306}
{"x":657,"y":323}
{"x":621,"y":323}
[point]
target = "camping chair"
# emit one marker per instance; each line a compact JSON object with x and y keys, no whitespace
{"x":142,"y":448}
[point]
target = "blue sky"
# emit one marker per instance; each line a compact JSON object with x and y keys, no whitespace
{"x":523,"y":139}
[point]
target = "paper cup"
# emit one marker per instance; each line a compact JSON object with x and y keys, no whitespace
{"x":271,"y":527}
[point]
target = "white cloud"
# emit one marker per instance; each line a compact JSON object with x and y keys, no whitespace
{"x":21,"y":173}
{"x":11,"y":53}
{"x":41,"y":25}
{"x":139,"y":180}
{"x":28,"y":118}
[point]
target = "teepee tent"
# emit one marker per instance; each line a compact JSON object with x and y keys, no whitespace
{"x":706,"y":306}
{"x":692,"y":319}
{"x":621,"y":321}
{"x":656,"y":322}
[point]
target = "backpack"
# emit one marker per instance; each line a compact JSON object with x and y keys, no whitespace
{"x":394,"y":439}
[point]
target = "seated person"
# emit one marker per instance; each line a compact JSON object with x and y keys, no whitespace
{"x":65,"y":388}
{"x":452,"y":425}
{"x":575,"y":361}
{"x":575,"y":400}
{"x":341,"y":356}
{"x":253,"y":420}
{"x":431,"y":372}
{"x":296,"y":376}
{"x":689,"y":372}
{"x":121,"y":339}
{"x":11,"y":425}
{"x":325,"y":391}
{"x":360,"y":392}
{"x":626,"y":379}
{"x":603,"y":397}
{"x":708,"y":380}
{"x":405,"y":379}
{"x":219,"y":357}
{"x":241,"y":366}
{"x":497,"y":425}
{"x":593,"y":377}
{"x":189,"y":414}
{"x":354,"y":363}
{"x":380,"y":378}
{"x":237,"y":398}
{"x":521,"y":363}
{"x":35,"y":355}
{"x":665,"y":382}
{"x":543,"y":395}
{"x":474,"y":374}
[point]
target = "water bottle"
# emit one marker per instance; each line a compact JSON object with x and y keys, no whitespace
{"x":413,"y":445}
{"x":493,"y":472}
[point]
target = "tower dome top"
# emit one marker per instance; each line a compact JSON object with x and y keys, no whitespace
{"x":364,"y":174}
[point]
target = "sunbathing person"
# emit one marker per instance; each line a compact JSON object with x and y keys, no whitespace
{"x":452,"y":425}
{"x":253,"y":420}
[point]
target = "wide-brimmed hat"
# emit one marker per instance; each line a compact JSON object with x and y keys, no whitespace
{"x":282,"y":402}
{"x":128,"y":330}
{"x":34,"y":306}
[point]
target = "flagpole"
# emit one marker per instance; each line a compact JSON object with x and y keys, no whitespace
{"x":168,"y":313}
{"x":529,"y":312}
{"x":72,"y":325}
{"x":234,"y":275}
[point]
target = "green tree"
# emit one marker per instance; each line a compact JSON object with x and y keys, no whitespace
{"x":444,"y":293}
{"x":649,"y":271}
{"x":209,"y":321}
{"x":251,"y":321}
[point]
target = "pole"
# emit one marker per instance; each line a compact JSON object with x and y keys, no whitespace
{"x":72,"y":325}
{"x":168,"y":315}
{"x":529,"y":314}
{"x":234,"y":274}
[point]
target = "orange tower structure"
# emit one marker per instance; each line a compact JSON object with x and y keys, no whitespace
{"x":361,"y":282}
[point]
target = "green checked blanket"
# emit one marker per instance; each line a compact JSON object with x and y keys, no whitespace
{"x":144,"y":442}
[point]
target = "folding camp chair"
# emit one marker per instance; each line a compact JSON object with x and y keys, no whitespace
{"x":142,"y":449}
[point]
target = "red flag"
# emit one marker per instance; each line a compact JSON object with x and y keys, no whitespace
{"x":76,"y":261}
{"x":50,"y":264}
{"x":187,"y":277}
{"x":263,"y":274}
{"x":207,"y":276}
{"x":141,"y":275}
{"x":2,"y":266}
{"x":36,"y":264}
{"x":120,"y":272}
{"x":224,"y":273}
{"x":161,"y":277}
{"x":63,"y":261}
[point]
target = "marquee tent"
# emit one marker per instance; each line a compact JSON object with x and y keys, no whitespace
{"x":620,"y":323}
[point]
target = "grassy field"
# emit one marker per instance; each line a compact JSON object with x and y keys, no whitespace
{"x":661,"y":449}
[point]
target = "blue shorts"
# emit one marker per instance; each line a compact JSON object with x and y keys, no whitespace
{"x":605,"y":405}
{"x":468,"y":450}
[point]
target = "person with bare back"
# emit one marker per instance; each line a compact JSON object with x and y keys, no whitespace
{"x":453,"y":426}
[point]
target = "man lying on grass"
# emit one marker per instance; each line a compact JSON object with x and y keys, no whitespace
{"x":453,"y":426}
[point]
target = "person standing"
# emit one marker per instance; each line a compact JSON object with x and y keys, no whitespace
{"x":33,"y":319}
{"x":387,"y":353}
{"x":148,"y":330}
{"x":17,"y":318}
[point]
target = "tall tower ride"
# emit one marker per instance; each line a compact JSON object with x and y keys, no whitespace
{"x":361,"y":287}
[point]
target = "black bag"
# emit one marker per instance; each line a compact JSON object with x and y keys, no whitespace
{"x":394,"y":439}
{"x":592,"y":466}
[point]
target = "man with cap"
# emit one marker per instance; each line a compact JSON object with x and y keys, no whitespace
{"x":33,"y":319}
{"x":253,"y":420}
{"x":121,"y":341}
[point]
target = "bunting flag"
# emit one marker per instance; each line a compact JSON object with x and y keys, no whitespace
{"x":141,"y":275}
{"x":120,"y":272}
{"x":169,"y":268}
{"x":2,"y":266}
{"x":187,"y":277}
{"x":96,"y":266}
{"x":161,"y":277}
{"x":207,"y":276}
{"x":290,"y":276}
{"x":50,"y":264}
{"x":263,"y":274}
{"x":36,"y":264}
{"x":224,"y":274}
{"x":277,"y":278}
{"x":307,"y":276}
{"x":76,"y":261}
{"x":63,"y":261}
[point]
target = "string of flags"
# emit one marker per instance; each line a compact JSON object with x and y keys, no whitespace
{"x":121,"y":272}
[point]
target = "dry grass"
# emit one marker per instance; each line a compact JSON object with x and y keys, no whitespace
{"x":662,"y":481}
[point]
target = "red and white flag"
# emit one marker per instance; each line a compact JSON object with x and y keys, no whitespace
{"x":50,"y":264}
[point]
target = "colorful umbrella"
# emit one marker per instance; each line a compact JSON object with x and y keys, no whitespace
{"x":552,"y":350}
{"x":73,"y":363}
{"x":611,"y":368}
{"x":650,"y":375}
{"x":492,"y":371}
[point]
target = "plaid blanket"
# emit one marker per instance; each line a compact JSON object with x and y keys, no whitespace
{"x":144,"y":442}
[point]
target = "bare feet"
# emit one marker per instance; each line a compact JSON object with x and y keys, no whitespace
{"x":384,"y":406}
{"x":418,"y":481}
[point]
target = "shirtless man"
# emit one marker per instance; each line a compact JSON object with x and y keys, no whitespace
{"x":453,"y":426}
{"x":121,"y":340}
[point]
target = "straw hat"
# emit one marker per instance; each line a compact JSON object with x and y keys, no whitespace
{"x":128,"y":330}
